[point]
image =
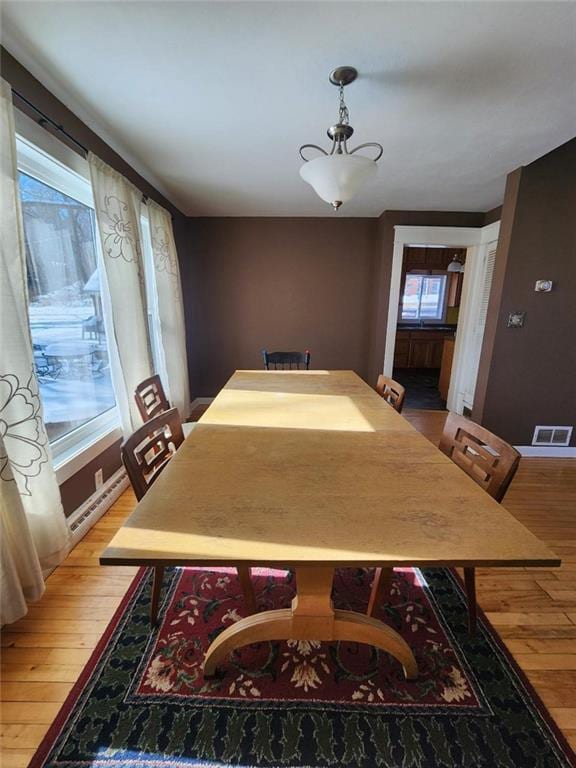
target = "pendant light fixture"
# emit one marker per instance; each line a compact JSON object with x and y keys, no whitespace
{"x":337,"y":175}
{"x":455,"y":265}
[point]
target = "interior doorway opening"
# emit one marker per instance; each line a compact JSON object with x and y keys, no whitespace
{"x":428,"y":310}
{"x":441,"y":279}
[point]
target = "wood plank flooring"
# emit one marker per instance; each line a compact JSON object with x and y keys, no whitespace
{"x":534,"y":610}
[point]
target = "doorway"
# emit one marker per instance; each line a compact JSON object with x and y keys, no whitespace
{"x":441,"y":278}
{"x":430,"y":293}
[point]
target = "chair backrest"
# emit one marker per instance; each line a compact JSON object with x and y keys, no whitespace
{"x":391,"y":391}
{"x":148,"y":450}
{"x":286,"y":360}
{"x":150,"y":398}
{"x":485,"y":457}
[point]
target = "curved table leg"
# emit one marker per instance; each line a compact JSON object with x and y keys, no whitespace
{"x":311,"y":617}
{"x":357,"y":627}
{"x":258,"y":628}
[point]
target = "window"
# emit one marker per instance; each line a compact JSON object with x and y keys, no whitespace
{"x":423,"y":297}
{"x":65,"y":308}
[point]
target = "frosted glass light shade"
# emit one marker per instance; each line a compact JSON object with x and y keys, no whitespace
{"x":455,"y":266}
{"x":337,"y":178}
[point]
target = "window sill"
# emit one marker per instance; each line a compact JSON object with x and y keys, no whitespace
{"x":71,"y":460}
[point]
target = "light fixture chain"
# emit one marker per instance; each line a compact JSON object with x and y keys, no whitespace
{"x":344,"y":117}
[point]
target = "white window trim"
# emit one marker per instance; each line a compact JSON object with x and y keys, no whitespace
{"x":71,"y":455}
{"x":34,"y":161}
{"x":72,"y":451}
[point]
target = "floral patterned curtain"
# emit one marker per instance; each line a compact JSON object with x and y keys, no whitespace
{"x":117,"y":203}
{"x":33,"y":530}
{"x":170,"y":307}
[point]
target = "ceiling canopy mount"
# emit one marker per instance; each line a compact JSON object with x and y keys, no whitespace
{"x":343,"y":75}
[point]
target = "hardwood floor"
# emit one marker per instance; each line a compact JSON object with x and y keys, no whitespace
{"x":534,"y":610}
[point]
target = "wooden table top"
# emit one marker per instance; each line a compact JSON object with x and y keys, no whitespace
{"x":314,"y":467}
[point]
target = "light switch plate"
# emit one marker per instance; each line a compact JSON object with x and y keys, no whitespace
{"x":516,"y":319}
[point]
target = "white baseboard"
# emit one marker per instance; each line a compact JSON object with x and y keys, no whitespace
{"x":546,"y":452}
{"x":94,"y":507}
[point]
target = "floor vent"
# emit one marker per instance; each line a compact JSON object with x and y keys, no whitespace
{"x":100,"y":502}
{"x":554,"y":436}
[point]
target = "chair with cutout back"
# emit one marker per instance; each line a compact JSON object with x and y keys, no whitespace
{"x":489,"y":461}
{"x":393,"y":392}
{"x":145,"y":454}
{"x":151,"y":401}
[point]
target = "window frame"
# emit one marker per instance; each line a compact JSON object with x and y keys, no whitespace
{"x":37,"y":157}
{"x":425,"y":273}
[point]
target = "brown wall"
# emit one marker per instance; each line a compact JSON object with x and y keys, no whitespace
{"x":79,"y":487}
{"x":528,"y":374}
{"x":278,"y":283}
{"x":82,"y":485}
{"x":292,"y":283}
{"x":500,"y":265}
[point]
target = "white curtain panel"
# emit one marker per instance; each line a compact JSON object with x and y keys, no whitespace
{"x":170,"y":307}
{"x":20,"y":568}
{"x":34,"y":532}
{"x":117,"y":203}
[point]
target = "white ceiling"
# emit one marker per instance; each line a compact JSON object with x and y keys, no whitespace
{"x":211,"y":100}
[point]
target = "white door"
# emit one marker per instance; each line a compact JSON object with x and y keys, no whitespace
{"x":478,"y":275}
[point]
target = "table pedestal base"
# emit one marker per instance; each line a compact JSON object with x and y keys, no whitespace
{"x":311,"y":617}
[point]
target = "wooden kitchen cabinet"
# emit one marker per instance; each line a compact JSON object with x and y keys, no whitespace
{"x":421,"y":258}
{"x":420,"y":348}
{"x":446,"y":368}
{"x":419,"y":354}
{"x":402,"y":350}
{"x":436,"y":258}
{"x":455,"y":280}
{"x":436,"y":348}
{"x":414,"y":258}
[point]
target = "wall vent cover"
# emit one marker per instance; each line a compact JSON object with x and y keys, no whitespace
{"x":555,"y":436}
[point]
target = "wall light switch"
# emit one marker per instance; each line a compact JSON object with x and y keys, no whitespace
{"x":543,"y":286}
{"x":516,"y":319}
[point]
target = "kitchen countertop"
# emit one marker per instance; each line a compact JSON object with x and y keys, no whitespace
{"x":431,"y":327}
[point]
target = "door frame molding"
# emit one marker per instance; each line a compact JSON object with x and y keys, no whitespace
{"x":451,"y":237}
{"x":471,"y":289}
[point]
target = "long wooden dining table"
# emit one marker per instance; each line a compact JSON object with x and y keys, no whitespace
{"x":312,"y":471}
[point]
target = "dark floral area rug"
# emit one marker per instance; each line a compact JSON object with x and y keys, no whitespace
{"x":142,"y":700}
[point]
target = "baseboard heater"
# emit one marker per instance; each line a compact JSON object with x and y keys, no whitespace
{"x":82,"y":520}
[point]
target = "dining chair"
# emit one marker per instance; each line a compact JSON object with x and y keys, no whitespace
{"x":144,"y":455}
{"x":283,"y":361}
{"x":151,"y":401}
{"x":489,"y":461}
{"x":393,"y":392}
{"x":150,"y":398}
